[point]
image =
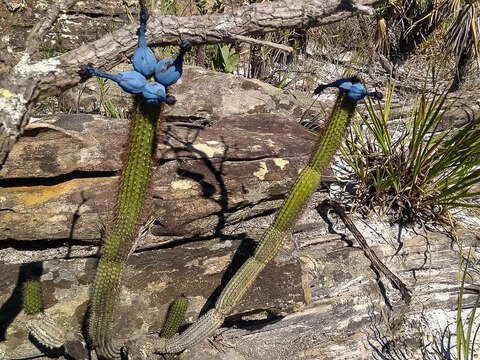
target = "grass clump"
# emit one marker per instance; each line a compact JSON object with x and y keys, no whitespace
{"x":421,"y":174}
{"x":466,"y":334}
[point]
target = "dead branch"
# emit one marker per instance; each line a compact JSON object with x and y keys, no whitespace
{"x":263,"y":43}
{"x":369,"y":253}
{"x":28,"y":82}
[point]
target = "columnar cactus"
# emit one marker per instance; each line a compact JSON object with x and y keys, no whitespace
{"x":32,"y":297}
{"x":40,"y":326}
{"x":120,"y":238}
{"x":175,"y":317}
{"x":329,"y":139}
{"x":131,"y":194}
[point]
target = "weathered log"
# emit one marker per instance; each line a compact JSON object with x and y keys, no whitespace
{"x":29,"y":82}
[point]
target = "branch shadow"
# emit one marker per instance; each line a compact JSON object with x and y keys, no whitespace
{"x":247,"y":245}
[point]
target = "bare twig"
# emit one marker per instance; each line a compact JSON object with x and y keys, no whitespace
{"x":40,"y":29}
{"x":369,"y":253}
{"x":262,"y":42}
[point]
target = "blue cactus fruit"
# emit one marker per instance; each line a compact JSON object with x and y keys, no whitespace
{"x":143,"y":59}
{"x":352,"y":86}
{"x":358,"y":92}
{"x":343,"y":84}
{"x":130,"y":81}
{"x":168,"y":71}
{"x":154,"y":93}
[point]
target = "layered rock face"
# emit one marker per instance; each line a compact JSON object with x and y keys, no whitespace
{"x":226,"y":155}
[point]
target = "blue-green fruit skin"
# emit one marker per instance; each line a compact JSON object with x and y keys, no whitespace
{"x":143,"y":59}
{"x":357,"y":92}
{"x":168,"y":71}
{"x":132,"y":82}
{"x":154,"y":93}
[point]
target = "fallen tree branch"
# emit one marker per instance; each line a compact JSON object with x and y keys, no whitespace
{"x":42,"y":28}
{"x":263,"y":43}
{"x":369,"y":253}
{"x":29,"y":82}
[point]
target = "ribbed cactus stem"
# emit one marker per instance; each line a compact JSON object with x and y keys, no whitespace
{"x":175,"y":317}
{"x":273,"y":239}
{"x":134,"y":182}
{"x":329,"y":140}
{"x":46,"y":331}
{"x":32,"y":297}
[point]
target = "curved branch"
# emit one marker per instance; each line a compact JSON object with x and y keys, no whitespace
{"x":29,"y":82}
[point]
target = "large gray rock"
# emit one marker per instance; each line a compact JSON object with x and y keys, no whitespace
{"x":223,"y":164}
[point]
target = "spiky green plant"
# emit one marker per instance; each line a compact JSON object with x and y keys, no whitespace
{"x":329,"y":139}
{"x":32,"y":297}
{"x":120,"y":237}
{"x":424,"y":172}
{"x":465,"y":331}
{"x":175,"y":317}
{"x":40,"y":326}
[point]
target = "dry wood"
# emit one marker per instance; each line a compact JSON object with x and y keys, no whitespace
{"x":263,"y":43}
{"x":28,"y":82}
{"x":369,"y":253}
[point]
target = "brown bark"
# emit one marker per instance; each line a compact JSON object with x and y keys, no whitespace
{"x":28,"y":82}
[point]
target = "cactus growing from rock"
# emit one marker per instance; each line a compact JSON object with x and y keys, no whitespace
{"x":328,"y":141}
{"x":123,"y":231}
{"x":175,"y":317}
{"x":32,"y":297}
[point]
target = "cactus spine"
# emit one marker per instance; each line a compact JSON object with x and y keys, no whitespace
{"x":175,"y":317}
{"x":134,"y":182}
{"x":329,"y":139}
{"x":32,"y":297}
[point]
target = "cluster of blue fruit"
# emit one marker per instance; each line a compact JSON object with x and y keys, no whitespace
{"x":166,"y":72}
{"x":352,"y":86}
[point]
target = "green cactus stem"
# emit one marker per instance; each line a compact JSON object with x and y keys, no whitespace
{"x":329,"y":139}
{"x":175,"y":317}
{"x":46,"y":331}
{"x":40,"y":326}
{"x":32,"y":297}
{"x":120,"y":238}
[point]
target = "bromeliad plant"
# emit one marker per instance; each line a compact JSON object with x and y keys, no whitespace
{"x":423,"y":173}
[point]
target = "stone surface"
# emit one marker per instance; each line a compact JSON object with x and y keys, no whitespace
{"x":84,"y":22}
{"x":151,"y":281}
{"x":354,"y":312}
{"x":227,"y":153}
{"x":202,"y":95}
{"x":60,"y":180}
